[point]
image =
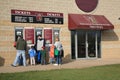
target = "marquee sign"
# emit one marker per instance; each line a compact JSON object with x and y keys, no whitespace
{"x":23,"y":16}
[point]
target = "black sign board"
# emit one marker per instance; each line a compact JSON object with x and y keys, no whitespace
{"x":22,"y":16}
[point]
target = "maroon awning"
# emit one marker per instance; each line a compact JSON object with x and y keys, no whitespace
{"x":85,"y":21}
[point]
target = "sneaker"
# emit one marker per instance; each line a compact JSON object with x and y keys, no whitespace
{"x":55,"y":64}
{"x":13,"y":65}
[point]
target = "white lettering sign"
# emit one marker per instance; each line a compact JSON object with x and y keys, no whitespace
{"x":96,"y":27}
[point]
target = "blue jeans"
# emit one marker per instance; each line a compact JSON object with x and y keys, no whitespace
{"x":39,"y":57}
{"x":43,"y":62}
{"x":51,"y":60}
{"x":58,"y":59}
{"x":20,"y":52}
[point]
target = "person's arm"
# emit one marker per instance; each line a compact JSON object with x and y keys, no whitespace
{"x":17,"y":43}
{"x":55,"y":44}
{"x":29,"y":51}
{"x":25,"y":45}
{"x":44,"y":42}
{"x":35,"y":46}
{"x":34,"y":52}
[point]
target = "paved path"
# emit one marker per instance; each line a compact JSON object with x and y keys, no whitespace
{"x":69,"y":65}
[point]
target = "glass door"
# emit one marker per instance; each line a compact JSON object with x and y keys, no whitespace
{"x":81,"y":44}
{"x":88,"y":43}
{"x":91,"y":44}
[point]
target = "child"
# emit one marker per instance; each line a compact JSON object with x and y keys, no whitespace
{"x":51,"y":54}
{"x":43,"y":56}
{"x":32,"y":54}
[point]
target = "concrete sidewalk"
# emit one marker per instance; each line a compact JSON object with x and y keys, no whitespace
{"x":69,"y":65}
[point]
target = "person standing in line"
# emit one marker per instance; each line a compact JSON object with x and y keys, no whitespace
{"x":51,"y":54}
{"x":43,"y":56}
{"x":32,"y":54}
{"x":20,"y":58}
{"x":58,"y":49}
{"x":39,"y":44}
{"x":21,"y":47}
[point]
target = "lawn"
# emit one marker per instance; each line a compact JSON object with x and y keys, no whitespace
{"x":108,"y":72}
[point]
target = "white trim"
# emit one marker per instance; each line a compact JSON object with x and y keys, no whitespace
{"x":38,"y":28}
{"x":47,"y":28}
{"x":86,"y":44}
{"x":96,"y":44}
{"x":76,"y":47}
{"x":29,"y":28}
{"x":19,"y":27}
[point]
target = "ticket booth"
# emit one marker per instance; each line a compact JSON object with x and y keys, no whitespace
{"x":30,"y":34}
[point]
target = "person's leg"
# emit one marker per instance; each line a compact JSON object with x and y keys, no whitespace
{"x":17,"y":58}
{"x":36,"y":57}
{"x":42,"y":60}
{"x":60,"y":60}
{"x":30,"y":60}
{"x":24,"y":58}
{"x":20,"y":60}
{"x":33,"y":61}
{"x":51,"y":60}
{"x":60,"y":57}
{"x":57,"y":59}
{"x":39,"y":57}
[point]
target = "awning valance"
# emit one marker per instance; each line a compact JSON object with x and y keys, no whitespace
{"x":85,"y":21}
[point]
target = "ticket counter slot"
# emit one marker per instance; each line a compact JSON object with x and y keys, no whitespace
{"x":48,"y":35}
{"x":18,"y":32}
{"x":38,"y":31}
{"x":29,"y":35}
{"x":56,"y":34}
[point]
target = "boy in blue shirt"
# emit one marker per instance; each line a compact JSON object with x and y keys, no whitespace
{"x":32,"y":54}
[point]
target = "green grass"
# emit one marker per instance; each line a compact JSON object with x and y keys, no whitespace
{"x":108,"y":72}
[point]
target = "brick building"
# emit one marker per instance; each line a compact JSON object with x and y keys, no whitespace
{"x":79,"y":42}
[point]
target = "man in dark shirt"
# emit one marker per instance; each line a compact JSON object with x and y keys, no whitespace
{"x":21,"y":48}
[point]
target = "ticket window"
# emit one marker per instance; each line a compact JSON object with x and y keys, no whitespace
{"x":18,"y":32}
{"x":48,"y":36}
{"x":38,"y":31}
{"x":29,"y":35}
{"x":56,"y":34}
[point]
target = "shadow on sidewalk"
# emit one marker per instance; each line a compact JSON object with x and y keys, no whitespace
{"x":67,"y":59}
{"x":2,"y":61}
